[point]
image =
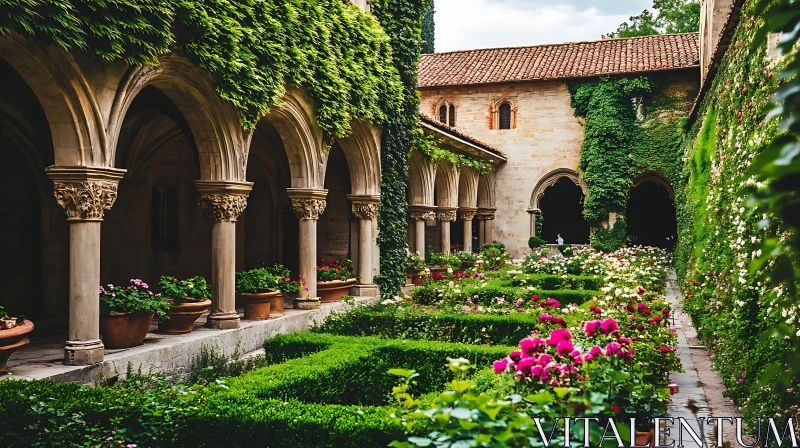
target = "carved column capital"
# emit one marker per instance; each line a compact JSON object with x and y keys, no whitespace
{"x":422,"y":213}
{"x":364,"y":207}
{"x":486,"y":214}
{"x":308,"y":204}
{"x":534,"y":211}
{"x":467,"y":213}
{"x":223,"y":201}
{"x":85,"y":193}
{"x":447,"y":214}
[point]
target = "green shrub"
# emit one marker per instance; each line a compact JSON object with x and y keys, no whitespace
{"x":535,"y":241}
{"x":435,"y":259}
{"x":556,"y":282}
{"x":488,"y":295}
{"x":565,"y":249}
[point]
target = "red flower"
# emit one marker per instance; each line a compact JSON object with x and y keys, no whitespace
{"x":615,"y":409}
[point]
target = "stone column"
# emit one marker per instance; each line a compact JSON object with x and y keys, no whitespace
{"x":308,"y":204}
{"x":420,"y":214}
{"x":224,"y":202}
{"x":467,"y":214}
{"x":486,"y":215}
{"x":365,"y":209}
{"x":84,"y":194}
{"x":534,"y":212}
{"x":446,"y":215}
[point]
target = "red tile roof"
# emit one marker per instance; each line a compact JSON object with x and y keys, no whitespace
{"x":558,"y":61}
{"x":453,"y":132}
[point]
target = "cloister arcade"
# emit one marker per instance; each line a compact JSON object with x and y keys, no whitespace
{"x":157,"y":176}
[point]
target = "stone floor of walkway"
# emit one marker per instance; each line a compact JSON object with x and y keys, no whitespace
{"x":698,"y":382}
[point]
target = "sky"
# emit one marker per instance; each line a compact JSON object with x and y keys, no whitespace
{"x":470,"y":24}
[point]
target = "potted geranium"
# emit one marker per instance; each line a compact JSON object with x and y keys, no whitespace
{"x":468,"y":259}
{"x":415,"y":268}
{"x":281,"y":277}
{"x":126,"y":313}
{"x":334,"y":279}
{"x":188,"y":300}
{"x":13,"y":335}
{"x":257,"y":289}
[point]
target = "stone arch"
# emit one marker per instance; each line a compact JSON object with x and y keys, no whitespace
{"x":421,"y":177}
{"x":65,"y":96}
{"x":468,"y":188}
{"x":446,"y":184}
{"x":655,"y":177}
{"x":361,"y":149}
{"x":218,"y":136}
{"x":295,"y":121}
{"x":486,"y":190}
{"x":549,"y":180}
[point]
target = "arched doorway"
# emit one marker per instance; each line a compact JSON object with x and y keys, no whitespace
{"x":333,"y":228}
{"x":651,"y":215}
{"x":562,"y":213}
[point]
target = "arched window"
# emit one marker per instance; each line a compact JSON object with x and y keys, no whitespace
{"x":443,"y":114}
{"x":447,"y":114}
{"x":452,"y":120}
{"x":504,"y":120}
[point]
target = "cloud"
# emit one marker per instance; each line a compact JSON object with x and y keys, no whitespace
{"x":470,"y":24}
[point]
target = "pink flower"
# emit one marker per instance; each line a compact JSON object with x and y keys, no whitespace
{"x":525,"y":365}
{"x":545,"y":359}
{"x":287,"y":279}
{"x":500,"y":366}
{"x":588,"y":357}
{"x":564,"y":347}
{"x":531,"y":345}
{"x":596,"y":351}
{"x":633,"y":318}
{"x":613,"y":349}
{"x":558,"y":335}
{"x":641,"y":306}
{"x":591,"y":327}
{"x":515,"y":355}
{"x":546,"y":318}
{"x":624,"y":341}
{"x":665,"y":350}
{"x":609,"y":326}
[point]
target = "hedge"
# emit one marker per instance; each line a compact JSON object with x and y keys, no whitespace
{"x":488,"y":295}
{"x":463,"y":328}
{"x":557,"y":282}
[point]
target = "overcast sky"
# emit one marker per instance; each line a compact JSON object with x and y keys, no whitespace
{"x":470,"y":24}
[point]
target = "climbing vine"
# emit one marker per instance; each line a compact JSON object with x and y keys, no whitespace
{"x":428,"y":145}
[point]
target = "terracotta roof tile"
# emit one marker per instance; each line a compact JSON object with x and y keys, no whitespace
{"x":456,"y":133}
{"x":569,"y":60}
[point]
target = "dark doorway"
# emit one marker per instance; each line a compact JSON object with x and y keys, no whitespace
{"x":651,"y":216}
{"x":562,"y":209}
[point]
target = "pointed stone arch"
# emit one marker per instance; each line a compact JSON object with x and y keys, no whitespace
{"x":486,"y":190}
{"x":549,"y":180}
{"x":446,"y":184}
{"x":362,"y":151}
{"x":421,"y":178}
{"x":655,"y":177}
{"x":468,"y":188}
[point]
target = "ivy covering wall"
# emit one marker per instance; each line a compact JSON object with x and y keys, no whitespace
{"x":719,"y":237}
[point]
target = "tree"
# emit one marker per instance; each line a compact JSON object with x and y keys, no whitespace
{"x":428,"y":29}
{"x":673,"y":16}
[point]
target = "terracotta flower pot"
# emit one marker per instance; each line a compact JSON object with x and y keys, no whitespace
{"x":182,"y":317}
{"x":414,"y":277}
{"x":438,"y":270}
{"x":644,"y":438}
{"x":276,"y":309}
{"x":335,"y":290}
{"x":125,"y":330}
{"x":12,"y":340}
{"x":306,"y":303}
{"x":257,"y":306}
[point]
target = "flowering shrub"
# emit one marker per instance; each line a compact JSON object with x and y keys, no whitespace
{"x":339,"y":268}
{"x":275,"y":278}
{"x":493,"y":256}
{"x":414,"y":261}
{"x":7,"y":321}
{"x":132,"y":298}
{"x":194,"y":289}
{"x":436,"y":259}
{"x":466,"y":256}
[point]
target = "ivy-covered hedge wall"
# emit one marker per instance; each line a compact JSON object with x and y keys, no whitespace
{"x":718,"y":238}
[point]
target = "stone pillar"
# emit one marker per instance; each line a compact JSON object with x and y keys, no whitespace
{"x":224,"y":202}
{"x":420,"y":214}
{"x":365,"y":209}
{"x":446,"y":215}
{"x":308,"y":204}
{"x":467,"y":214}
{"x":534,"y":212}
{"x":84,"y":194}
{"x":486,"y":215}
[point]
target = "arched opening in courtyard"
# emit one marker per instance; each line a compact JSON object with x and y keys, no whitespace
{"x":562,"y":213}
{"x":651,"y":214}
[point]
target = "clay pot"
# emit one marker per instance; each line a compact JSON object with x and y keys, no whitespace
{"x":12,"y":340}
{"x":125,"y":330}
{"x":257,"y":306}
{"x":414,"y":277}
{"x":335,"y":290}
{"x":276,"y":309}
{"x":645,"y":438}
{"x":306,"y":303}
{"x":182,"y":317}
{"x":437,"y":270}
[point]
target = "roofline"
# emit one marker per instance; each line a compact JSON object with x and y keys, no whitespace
{"x":559,"y":44}
{"x":560,"y":78}
{"x":716,"y":59}
{"x":484,"y":151}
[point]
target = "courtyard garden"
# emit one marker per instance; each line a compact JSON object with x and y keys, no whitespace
{"x":470,"y":355}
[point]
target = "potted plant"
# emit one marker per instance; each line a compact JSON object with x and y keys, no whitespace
{"x":334,"y":279}
{"x":282,"y":281}
{"x":257,"y":289}
{"x":126,"y":313}
{"x":415,"y":269}
{"x":535,"y":242}
{"x":13,"y":335}
{"x":188,"y":300}
{"x":439,"y":264}
{"x":468,"y":259}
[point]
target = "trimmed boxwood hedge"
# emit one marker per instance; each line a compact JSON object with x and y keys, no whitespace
{"x":463,"y":328}
{"x":553,"y":282}
{"x":487,"y":296}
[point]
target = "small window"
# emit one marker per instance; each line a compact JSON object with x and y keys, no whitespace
{"x":443,"y":114}
{"x":452,"y":120}
{"x":505,"y":116}
{"x":164,"y":218}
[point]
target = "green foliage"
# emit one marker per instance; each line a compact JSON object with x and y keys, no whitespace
{"x":487,"y":295}
{"x":463,"y":255}
{"x":428,"y":145}
{"x":565,"y":249}
{"x":400,"y":19}
{"x":414,"y":261}
{"x":255,"y":280}
{"x":608,"y":239}
{"x":133,"y":298}
{"x":437,"y":259}
{"x":429,"y":29}
{"x":673,"y":16}
{"x":535,"y":241}
{"x":192,"y":289}
{"x":210,"y":366}
{"x":539,"y":224}
{"x":556,"y":282}
{"x":339,"y":268}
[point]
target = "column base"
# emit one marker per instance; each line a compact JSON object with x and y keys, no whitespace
{"x":83,"y":353}
{"x":365,"y":291}
{"x":223,"y":321}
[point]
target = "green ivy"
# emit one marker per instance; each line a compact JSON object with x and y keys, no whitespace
{"x":611,"y":238}
{"x":428,"y":145}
